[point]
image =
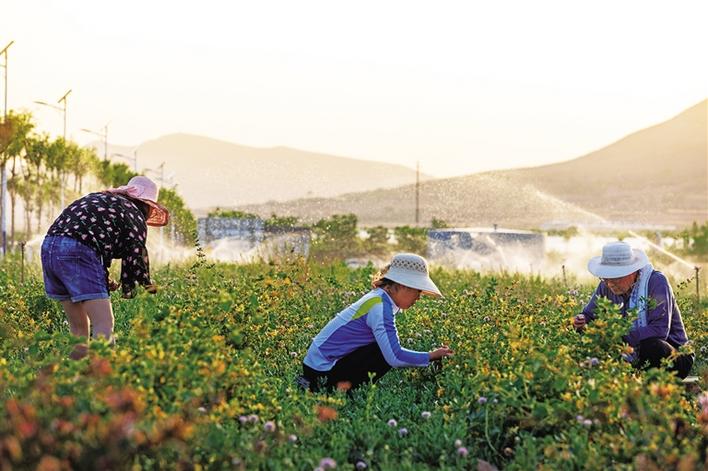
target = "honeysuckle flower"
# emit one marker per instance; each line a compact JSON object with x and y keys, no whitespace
{"x":253,"y":418}
{"x":292,"y":438}
{"x":462,"y":451}
{"x":269,"y":426}
{"x":242,"y":419}
{"x":202,"y":410}
{"x":328,"y":463}
{"x":587,"y":422}
{"x":360,"y":465}
{"x":293,"y":354}
{"x":392,"y":422}
{"x":426,"y":414}
{"x":579,"y":418}
{"x":482,"y":400}
{"x":458,"y":443}
{"x":402,"y":431}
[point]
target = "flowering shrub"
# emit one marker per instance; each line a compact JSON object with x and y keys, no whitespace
{"x":203,"y":376}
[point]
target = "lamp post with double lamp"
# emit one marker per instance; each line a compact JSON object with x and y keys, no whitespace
{"x":63,"y":110}
{"x":104,"y":136}
{"x":59,"y":108}
{"x":3,"y":175}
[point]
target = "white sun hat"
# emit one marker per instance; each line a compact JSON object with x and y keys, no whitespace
{"x":411,"y":270}
{"x":618,"y":259}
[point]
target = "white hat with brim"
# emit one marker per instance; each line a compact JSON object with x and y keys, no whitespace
{"x":618,"y":259}
{"x":411,"y":270}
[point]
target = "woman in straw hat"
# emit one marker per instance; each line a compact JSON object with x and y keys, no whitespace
{"x":85,"y":238}
{"x":629,"y":280}
{"x":362,"y":339}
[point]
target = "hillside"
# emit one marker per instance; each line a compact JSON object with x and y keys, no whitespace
{"x":211,"y":172}
{"x":657,"y":175}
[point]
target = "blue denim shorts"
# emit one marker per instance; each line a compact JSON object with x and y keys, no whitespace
{"x":72,"y":271}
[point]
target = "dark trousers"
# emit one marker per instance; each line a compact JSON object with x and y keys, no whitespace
{"x":350,"y":371}
{"x":652,"y":351}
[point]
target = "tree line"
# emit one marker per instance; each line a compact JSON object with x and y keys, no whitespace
{"x":338,"y":236}
{"x":45,"y":174}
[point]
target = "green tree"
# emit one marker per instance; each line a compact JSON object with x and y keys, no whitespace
{"x":182,"y":225}
{"x":231,"y":213}
{"x":275,"y":221}
{"x":411,"y":239}
{"x":377,"y":243}
{"x":438,"y":224}
{"x":335,"y":237}
{"x":16,"y":130}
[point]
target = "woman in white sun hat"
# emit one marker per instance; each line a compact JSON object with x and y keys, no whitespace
{"x":629,"y":280}
{"x":85,"y":238}
{"x":362,"y":339}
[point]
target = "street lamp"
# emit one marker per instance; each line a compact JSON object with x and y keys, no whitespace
{"x":104,"y":136}
{"x":133,"y":159}
{"x":60,"y":108}
{"x":3,"y":175}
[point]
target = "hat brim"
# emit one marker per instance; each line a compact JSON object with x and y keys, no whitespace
{"x":421,"y":282}
{"x":597,"y":268}
{"x":159,"y":215}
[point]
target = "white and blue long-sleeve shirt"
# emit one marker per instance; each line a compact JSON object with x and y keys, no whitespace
{"x":370,"y":319}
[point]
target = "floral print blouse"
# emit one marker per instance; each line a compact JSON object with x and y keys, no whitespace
{"x":115,"y":228}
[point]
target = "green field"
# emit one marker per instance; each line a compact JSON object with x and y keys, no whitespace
{"x":202,"y":377}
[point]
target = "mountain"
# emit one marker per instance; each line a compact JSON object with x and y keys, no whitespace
{"x":211,"y":172}
{"x":658,"y":175}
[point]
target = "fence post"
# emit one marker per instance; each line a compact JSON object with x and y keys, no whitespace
{"x":698,"y":286}
{"x":22,"y":269}
{"x":565,"y":281}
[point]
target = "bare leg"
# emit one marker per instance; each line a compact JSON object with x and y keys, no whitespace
{"x":100,"y":312}
{"x":79,"y":325}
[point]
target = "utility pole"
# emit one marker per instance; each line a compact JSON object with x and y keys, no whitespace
{"x":63,"y":99}
{"x":417,"y":192}
{"x":3,"y":175}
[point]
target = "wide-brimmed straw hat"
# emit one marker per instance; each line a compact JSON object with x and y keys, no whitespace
{"x":411,"y":270}
{"x":618,"y":259}
{"x":145,"y":190}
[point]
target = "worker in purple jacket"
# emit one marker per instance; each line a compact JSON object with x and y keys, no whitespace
{"x":361,"y":341}
{"x":629,"y":280}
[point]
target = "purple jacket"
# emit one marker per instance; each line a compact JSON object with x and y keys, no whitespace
{"x":663,"y":322}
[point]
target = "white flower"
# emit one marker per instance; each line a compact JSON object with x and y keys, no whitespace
{"x":425,"y":414}
{"x":402,"y":431}
{"x":392,"y":422}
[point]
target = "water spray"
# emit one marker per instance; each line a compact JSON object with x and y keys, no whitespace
{"x":678,"y":259}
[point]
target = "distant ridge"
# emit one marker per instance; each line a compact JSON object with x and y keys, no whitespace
{"x":658,"y":175}
{"x":211,"y":172}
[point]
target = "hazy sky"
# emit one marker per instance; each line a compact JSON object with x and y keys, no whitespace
{"x":460,"y":86}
